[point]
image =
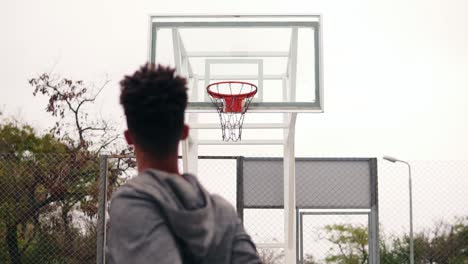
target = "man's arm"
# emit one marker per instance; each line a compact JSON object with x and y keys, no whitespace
{"x":138,"y":234}
{"x":243,"y":249}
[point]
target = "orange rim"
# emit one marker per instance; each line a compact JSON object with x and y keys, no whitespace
{"x":223,"y":95}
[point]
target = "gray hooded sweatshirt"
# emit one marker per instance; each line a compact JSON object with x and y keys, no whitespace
{"x":170,"y":219}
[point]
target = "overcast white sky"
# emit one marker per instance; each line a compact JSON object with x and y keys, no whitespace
{"x":395,"y":71}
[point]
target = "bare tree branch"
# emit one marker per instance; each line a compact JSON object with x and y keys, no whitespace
{"x":94,"y":97}
{"x":62,"y":95}
{"x":107,"y":143}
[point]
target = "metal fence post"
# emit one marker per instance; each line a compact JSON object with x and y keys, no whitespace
{"x":240,"y":187}
{"x":102,"y":203}
{"x":301,"y":238}
{"x":374,"y":245}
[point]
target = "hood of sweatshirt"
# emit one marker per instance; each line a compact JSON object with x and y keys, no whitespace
{"x":189,"y":210}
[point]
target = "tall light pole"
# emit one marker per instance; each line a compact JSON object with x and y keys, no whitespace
{"x":392,"y":159}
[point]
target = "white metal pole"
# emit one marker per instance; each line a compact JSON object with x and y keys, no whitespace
{"x":292,"y":74}
{"x":410,"y":212}
{"x":410,"y":186}
{"x":290,"y":192}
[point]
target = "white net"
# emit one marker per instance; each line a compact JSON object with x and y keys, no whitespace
{"x":231,"y":99}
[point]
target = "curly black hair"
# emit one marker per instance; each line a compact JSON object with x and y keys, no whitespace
{"x":154,"y":99}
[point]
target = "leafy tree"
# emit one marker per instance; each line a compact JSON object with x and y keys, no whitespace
{"x":443,"y":243}
{"x":310,"y":259}
{"x":388,"y":254}
{"x":351,"y":244}
{"x":48,"y":181}
{"x":461,"y":240}
{"x":33,"y":185}
{"x":271,"y":256}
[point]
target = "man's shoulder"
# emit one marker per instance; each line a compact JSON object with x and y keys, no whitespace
{"x":128,"y":196}
{"x":123,"y":192}
{"x":130,"y":189}
{"x":221,"y":201}
{"x":130,"y":206}
{"x":223,"y":208}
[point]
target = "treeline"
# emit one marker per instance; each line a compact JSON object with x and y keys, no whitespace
{"x":444,"y":243}
{"x":49,"y":180}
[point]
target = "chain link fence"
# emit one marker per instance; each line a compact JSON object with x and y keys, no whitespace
{"x":49,"y":208}
{"x":440,"y":209}
{"x":334,"y":238}
{"x":48,"y":205}
{"x":440,"y":212}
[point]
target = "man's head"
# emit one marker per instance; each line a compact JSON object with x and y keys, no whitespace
{"x":154,"y":101}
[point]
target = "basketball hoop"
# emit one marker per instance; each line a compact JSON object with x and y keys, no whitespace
{"x":231,"y":99}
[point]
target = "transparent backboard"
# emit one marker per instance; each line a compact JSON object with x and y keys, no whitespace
{"x":279,"y":54}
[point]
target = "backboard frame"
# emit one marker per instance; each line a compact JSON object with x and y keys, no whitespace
{"x":315,"y":21}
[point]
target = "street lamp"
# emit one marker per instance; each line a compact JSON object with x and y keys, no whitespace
{"x":392,"y":159}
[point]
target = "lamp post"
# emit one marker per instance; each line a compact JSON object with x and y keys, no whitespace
{"x":392,"y":159}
